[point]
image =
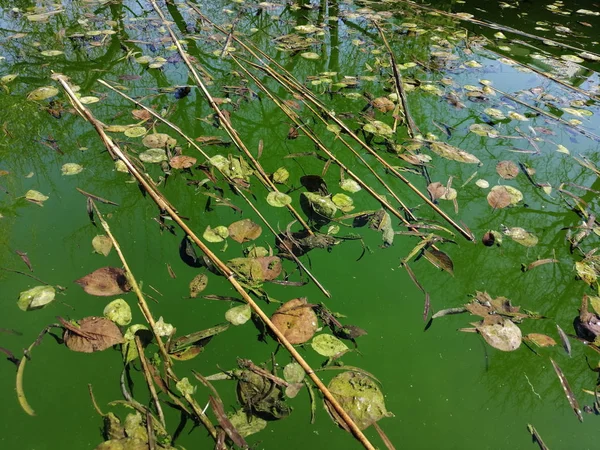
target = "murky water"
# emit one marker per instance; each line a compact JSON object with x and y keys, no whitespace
{"x":446,"y":389}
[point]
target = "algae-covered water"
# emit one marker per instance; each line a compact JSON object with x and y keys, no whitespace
{"x":525,"y":97}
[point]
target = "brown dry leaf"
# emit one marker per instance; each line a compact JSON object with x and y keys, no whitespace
{"x":498,"y":197}
{"x":182,"y":162}
{"x":141,"y":114}
{"x":296,"y":320}
{"x":383,"y":104}
{"x":541,"y":340}
{"x":507,"y":170}
{"x":105,"y":282}
{"x":271,"y":267}
{"x":244,"y":230}
{"x":91,"y":334}
{"x":439,"y":191}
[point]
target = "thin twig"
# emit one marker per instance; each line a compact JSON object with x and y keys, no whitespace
{"x":149,"y":381}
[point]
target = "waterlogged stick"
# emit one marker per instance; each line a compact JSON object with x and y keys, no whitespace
{"x":162,"y":203}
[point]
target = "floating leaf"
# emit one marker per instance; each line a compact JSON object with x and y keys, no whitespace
{"x":495,"y":113}
{"x":293,"y":373}
{"x":571,"y":58}
{"x":507,"y":170}
{"x":182,"y":162}
{"x":217,"y":234}
{"x":105,"y":282}
{"x":586,"y":272}
{"x":296,"y":320}
{"x":88,"y":100}
{"x":328,"y":345}
{"x":482,"y":129}
{"x":51,"y":53}
{"x":321,"y":205}
{"x":42,"y":93}
{"x":521,"y":236}
{"x":349,"y":185}
{"x":310,"y":55}
{"x":278,"y":199}
{"x":71,"y":169}
{"x":455,"y":154}
{"x":102,"y":244}
{"x":440,"y":259}
{"x":247,"y":424}
{"x":91,"y":334}
{"x":134,"y":132}
{"x":118,"y":311}
{"x":36,"y":197}
{"x":153,"y":155}
{"x":198,"y":284}
{"x":505,"y":336}
{"x":517,"y":116}
{"x":8,"y":78}
{"x":238,"y":315}
{"x":541,"y":340}
{"x":360,"y":397}
{"x":244,"y":230}
{"x":281,"y":175}
{"x":158,"y":140}
{"x":483,"y":184}
{"x":36,"y":298}
{"x":343,"y":202}
{"x":503,"y":196}
{"x":185,"y":387}
{"x":378,"y":128}
{"x":439,"y":191}
{"x":383,"y":104}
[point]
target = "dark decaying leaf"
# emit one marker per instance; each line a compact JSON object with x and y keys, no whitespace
{"x":261,"y":396}
{"x":360,"y":397}
{"x":244,"y":231}
{"x":105,"y":282}
{"x":225,"y":423}
{"x":440,"y":260}
{"x":91,"y":334}
{"x":187,"y":253}
{"x":296,"y":320}
{"x":568,"y":392}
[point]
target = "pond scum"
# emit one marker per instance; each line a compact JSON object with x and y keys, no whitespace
{"x":382,"y":140}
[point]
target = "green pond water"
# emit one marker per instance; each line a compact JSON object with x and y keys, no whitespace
{"x":446,"y":389}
